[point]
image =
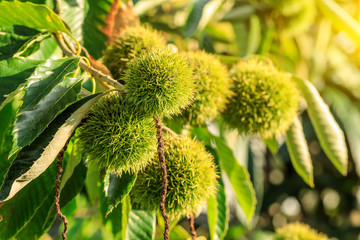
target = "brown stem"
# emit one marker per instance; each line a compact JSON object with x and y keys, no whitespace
{"x":160,"y":150}
{"x":192,"y":227}
{"x":57,"y":187}
{"x":83,"y":65}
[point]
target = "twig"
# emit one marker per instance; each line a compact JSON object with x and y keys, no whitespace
{"x":83,"y":65}
{"x":160,"y":150}
{"x":58,"y":190}
{"x":192,"y":227}
{"x":168,"y":130}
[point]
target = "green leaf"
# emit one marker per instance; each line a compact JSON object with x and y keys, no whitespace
{"x":74,"y":14}
{"x":241,"y":33}
{"x":12,"y":38}
{"x":239,"y":178}
{"x":177,"y":232}
{"x":194,"y":17}
{"x":299,"y":152}
{"x":31,"y":15}
{"x":341,"y":19}
{"x":93,"y":38}
{"x":14,"y":71}
{"x":113,"y":220}
{"x":46,"y":213}
{"x":35,"y":158}
{"x":239,"y":14}
{"x":327,"y":130}
{"x":272,"y":144}
{"x":7,"y":116}
{"x":254,"y":37}
{"x":19,"y":210}
{"x":117,"y":188}
{"x":45,"y":78}
{"x":34,"y":228}
{"x":126,"y":208}
{"x":349,"y":114}
{"x":217,"y":210}
{"x":141,"y":225}
{"x":256,"y":164}
{"x":48,"y":49}
{"x":47,"y":92}
{"x":71,"y":187}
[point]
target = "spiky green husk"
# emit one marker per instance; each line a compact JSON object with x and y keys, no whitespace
{"x":115,"y":138}
{"x":192,"y":178}
{"x":132,"y":42}
{"x":213,"y":87}
{"x":296,"y":15}
{"x":298,"y":231}
{"x":159,"y":83}
{"x":265,"y":100}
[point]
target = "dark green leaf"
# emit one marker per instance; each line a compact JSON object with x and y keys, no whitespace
{"x":12,"y":38}
{"x":29,"y":124}
{"x":46,"y":214}
{"x":45,"y":78}
{"x":30,"y":15}
{"x":327,"y":130}
{"x":7,"y":116}
{"x":70,"y":189}
{"x":299,"y":152}
{"x":35,"y":158}
{"x":34,"y":228}
{"x":113,"y":220}
{"x":93,"y":38}
{"x":14,"y":71}
{"x":20,"y":209}
{"x":116,"y":188}
{"x":47,"y":92}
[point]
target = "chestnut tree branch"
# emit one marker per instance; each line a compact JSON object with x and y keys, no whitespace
{"x":192,"y":227}
{"x":83,"y":65}
{"x":58,"y":189}
{"x":160,"y":150}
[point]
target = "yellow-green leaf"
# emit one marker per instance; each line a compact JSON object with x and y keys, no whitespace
{"x":30,"y":15}
{"x":299,"y":152}
{"x":327,"y":130}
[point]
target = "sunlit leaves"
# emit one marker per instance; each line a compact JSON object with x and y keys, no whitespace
{"x":35,"y":158}
{"x":330,"y":136}
{"x":299,"y":152}
{"x":31,"y":15}
{"x":47,"y":92}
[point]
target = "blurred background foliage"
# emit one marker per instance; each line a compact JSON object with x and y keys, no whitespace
{"x":315,"y":39}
